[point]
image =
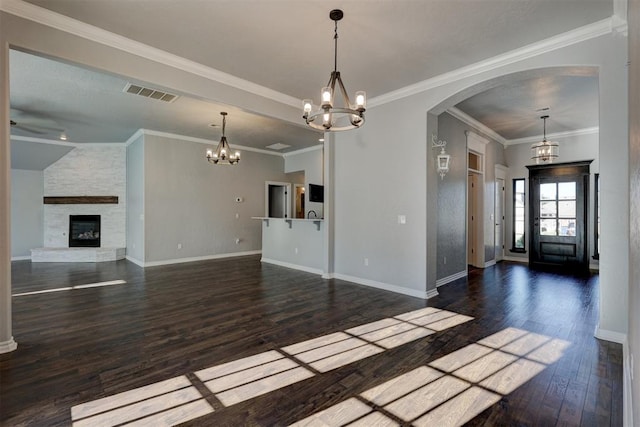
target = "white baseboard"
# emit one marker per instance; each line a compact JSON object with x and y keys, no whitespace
{"x":604,"y":334}
{"x":197,"y":258}
{"x":432,"y":293}
{"x":20,"y":258}
{"x":489,"y":263}
{"x":627,"y":395}
{"x":451,"y":278}
{"x":8,"y":346}
{"x":594,"y":267}
{"x":328,"y":275}
{"x":293,"y":266}
{"x":135,"y":261}
{"x":516,"y":259}
{"x":387,"y":287}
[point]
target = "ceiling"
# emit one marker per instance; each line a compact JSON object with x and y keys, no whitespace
{"x":286,"y":46}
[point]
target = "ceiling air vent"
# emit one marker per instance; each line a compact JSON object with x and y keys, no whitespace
{"x":149,"y":93}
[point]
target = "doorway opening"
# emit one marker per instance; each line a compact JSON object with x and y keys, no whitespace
{"x":276,"y":196}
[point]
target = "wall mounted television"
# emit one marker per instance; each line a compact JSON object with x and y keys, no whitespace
{"x":316,"y":193}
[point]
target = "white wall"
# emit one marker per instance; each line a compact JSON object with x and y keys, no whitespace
{"x":311,"y":163}
{"x":91,"y":170}
{"x":572,"y":149}
{"x":27,"y":211}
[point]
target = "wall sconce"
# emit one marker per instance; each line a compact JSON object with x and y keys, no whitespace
{"x":443,"y":160}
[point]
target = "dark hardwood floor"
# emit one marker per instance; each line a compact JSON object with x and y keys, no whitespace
{"x":80,"y":345}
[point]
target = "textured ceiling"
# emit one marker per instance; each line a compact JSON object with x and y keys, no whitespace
{"x":92,"y":107}
{"x":286,"y":45}
{"x":514,"y":110}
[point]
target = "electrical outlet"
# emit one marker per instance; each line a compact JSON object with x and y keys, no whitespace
{"x":295,"y":250}
{"x":179,"y":245}
{"x":237,"y":240}
{"x":237,"y":215}
{"x":366,"y":261}
{"x":402,"y":219}
{"x":445,"y":260}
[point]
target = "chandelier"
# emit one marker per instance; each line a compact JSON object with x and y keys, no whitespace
{"x":544,"y":151}
{"x":223,"y":154}
{"x":331,"y":117}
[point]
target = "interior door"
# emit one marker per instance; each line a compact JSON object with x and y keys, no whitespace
{"x":558,"y":200}
{"x":499,"y":216}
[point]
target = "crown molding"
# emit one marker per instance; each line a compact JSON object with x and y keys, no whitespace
{"x":42,"y":140}
{"x":81,"y":29}
{"x":199,"y":141}
{"x":465,"y":118}
{"x":550,"y":136}
{"x":137,"y":134}
{"x":64,"y":143}
{"x":587,"y":32}
{"x":141,"y":132}
{"x":303,"y":150}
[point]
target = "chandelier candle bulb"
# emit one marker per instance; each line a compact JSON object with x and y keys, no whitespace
{"x":307,"y":106}
{"x":326,"y":97}
{"x":361,"y":100}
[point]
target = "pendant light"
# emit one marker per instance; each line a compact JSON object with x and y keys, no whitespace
{"x":545,"y":151}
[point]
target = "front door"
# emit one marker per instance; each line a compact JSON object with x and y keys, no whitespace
{"x":558,"y":197}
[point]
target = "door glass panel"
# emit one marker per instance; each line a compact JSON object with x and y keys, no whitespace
{"x":548,"y":209}
{"x":567,"y":209}
{"x":548,"y":227}
{"x":548,"y":191}
{"x":566,"y":190}
{"x":567,"y":227}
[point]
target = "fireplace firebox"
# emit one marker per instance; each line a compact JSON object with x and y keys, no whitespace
{"x":84,"y":231}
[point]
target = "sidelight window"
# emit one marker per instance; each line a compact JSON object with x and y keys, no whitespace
{"x":519,"y":204}
{"x":596,"y":240}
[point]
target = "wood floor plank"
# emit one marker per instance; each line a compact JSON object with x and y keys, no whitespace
{"x":79,"y":346}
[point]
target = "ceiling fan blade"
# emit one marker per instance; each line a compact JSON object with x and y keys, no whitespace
{"x":34,"y":120}
{"x":27,"y":128}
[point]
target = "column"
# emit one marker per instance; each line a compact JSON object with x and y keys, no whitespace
{"x":7,"y":343}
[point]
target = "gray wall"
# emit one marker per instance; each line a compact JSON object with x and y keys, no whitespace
{"x":452,"y":197}
{"x":582,"y":147}
{"x":293,"y":243}
{"x":366,"y":226}
{"x":191,"y":202}
{"x":632,"y":411}
{"x":135,"y":200}
{"x":27,"y":211}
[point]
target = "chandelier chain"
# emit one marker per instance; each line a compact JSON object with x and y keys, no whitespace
{"x":335,"y":47}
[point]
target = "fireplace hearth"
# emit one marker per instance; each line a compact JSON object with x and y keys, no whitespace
{"x":84,"y":231}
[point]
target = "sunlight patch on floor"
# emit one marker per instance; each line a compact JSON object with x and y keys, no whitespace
{"x":454,"y":388}
{"x":70,"y":288}
{"x":178,"y":400}
{"x":167,"y":402}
